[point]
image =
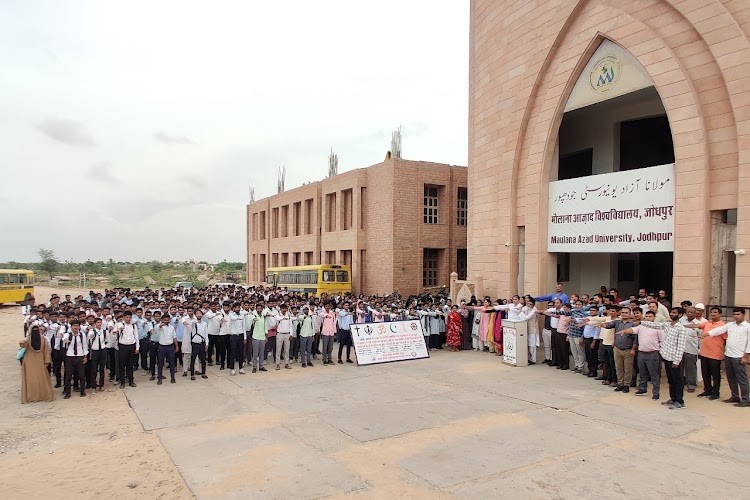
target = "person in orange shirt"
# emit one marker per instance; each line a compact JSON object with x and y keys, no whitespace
{"x":711,"y":354}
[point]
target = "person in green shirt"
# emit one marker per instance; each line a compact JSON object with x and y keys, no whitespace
{"x":259,"y":338}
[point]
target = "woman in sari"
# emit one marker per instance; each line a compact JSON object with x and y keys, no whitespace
{"x":454,"y":328}
{"x":35,"y":381}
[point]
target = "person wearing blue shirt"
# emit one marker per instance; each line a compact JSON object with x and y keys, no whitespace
{"x":140,"y":324}
{"x":558,"y":294}
{"x":346,"y":318}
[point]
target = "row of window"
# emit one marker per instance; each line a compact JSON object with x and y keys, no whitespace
{"x":431,"y":265}
{"x":431,"y":206}
{"x":302,"y":222}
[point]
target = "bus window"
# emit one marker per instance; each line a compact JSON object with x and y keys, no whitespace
{"x":22,"y":278}
{"x":13,"y":278}
{"x":342,"y":276}
{"x":329,"y":276}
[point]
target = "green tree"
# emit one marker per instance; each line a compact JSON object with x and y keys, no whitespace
{"x":49,"y":261}
{"x":157,"y":266}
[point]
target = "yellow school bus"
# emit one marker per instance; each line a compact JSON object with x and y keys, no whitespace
{"x":16,"y":285}
{"x":317,"y":280}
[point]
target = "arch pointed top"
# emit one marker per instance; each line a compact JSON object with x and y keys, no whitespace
{"x":611,"y":72}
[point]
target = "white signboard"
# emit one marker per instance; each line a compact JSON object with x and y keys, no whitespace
{"x":631,"y":211}
{"x":388,"y":341}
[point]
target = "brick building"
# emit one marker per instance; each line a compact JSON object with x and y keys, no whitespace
{"x":400,"y":225}
{"x":571,"y":90}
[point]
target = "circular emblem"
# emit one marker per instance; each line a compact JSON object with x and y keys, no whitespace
{"x":605,"y":74}
{"x":413,"y":326}
{"x":381,"y":329}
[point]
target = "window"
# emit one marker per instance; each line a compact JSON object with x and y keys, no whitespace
{"x":308,"y":215}
{"x":346,"y":257}
{"x":729,"y":216}
{"x":362,"y":206}
{"x":285,"y":221}
{"x":308,"y":258}
{"x":297,"y":261}
{"x":331,"y":257}
{"x":329,"y":276}
{"x":296,"y":215}
{"x":461,"y":263}
{"x":254,"y":231}
{"x":429,"y":267}
{"x":342,"y":276}
{"x":430,"y":205}
{"x":274,"y":260}
{"x":262,"y":225}
{"x":462,"y":207}
{"x":347,"y":196}
{"x":331,"y":212}
{"x":274,"y":222}
{"x":284,"y":259}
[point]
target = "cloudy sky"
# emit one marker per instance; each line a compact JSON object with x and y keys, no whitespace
{"x":132,"y":130}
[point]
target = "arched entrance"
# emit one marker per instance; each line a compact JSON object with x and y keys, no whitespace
{"x":612,"y":195}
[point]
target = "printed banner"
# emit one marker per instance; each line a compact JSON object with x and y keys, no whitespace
{"x":626,"y":212}
{"x":510,"y":345}
{"x":388,"y":341}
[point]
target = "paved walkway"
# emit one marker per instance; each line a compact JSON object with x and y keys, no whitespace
{"x":458,"y":425}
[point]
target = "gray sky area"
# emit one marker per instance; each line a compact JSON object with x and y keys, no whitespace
{"x":132,"y":130}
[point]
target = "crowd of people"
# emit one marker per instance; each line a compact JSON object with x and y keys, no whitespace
{"x":78,"y":342}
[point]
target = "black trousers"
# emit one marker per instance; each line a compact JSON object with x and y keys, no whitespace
{"x":198,"y":351}
{"x":270,"y":347}
{"x":58,"y":359}
{"x":236,"y":351}
{"x":563,"y":350}
{"x":74,"y":365}
{"x":676,"y":382}
{"x":592,"y":355}
{"x":345,"y":339}
{"x":97,"y":360}
{"x":166,"y":351}
{"x":153,"y":353}
{"x":555,"y":348}
{"x":293,"y":347}
{"x":112,"y":362}
{"x":213,"y":341}
{"x":711,"y":372}
{"x":222,"y":343}
{"x":125,"y":355}
{"x":144,"y":348}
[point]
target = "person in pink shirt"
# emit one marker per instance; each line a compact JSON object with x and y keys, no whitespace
{"x":328,"y":331}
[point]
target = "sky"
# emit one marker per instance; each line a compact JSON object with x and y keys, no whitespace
{"x":133,"y":130}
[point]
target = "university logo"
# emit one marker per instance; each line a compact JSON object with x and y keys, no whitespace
{"x":605,"y":74}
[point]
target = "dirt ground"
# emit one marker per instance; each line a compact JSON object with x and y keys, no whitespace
{"x":92,"y":447}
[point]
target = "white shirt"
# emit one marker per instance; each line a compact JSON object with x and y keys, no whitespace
{"x":97,"y":339}
{"x":738,"y":338}
{"x":127,"y":334}
{"x":77,"y":344}
{"x":214,"y":322}
{"x":166,"y":334}
{"x":514,"y":311}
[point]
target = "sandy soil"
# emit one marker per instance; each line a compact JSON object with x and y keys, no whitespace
{"x":92,"y":447}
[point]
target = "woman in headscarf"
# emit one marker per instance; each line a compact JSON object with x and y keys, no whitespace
{"x":35,"y":381}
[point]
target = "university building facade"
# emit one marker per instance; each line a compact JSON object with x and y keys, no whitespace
{"x":609,"y":144}
{"x":400,"y":225}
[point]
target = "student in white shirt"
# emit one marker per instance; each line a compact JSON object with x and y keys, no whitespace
{"x":198,"y":335}
{"x":128,"y":348}
{"x":283,"y":333}
{"x":237,"y":339}
{"x":76,"y":355}
{"x":167,"y":348}
{"x":186,"y":346}
{"x":98,"y":353}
